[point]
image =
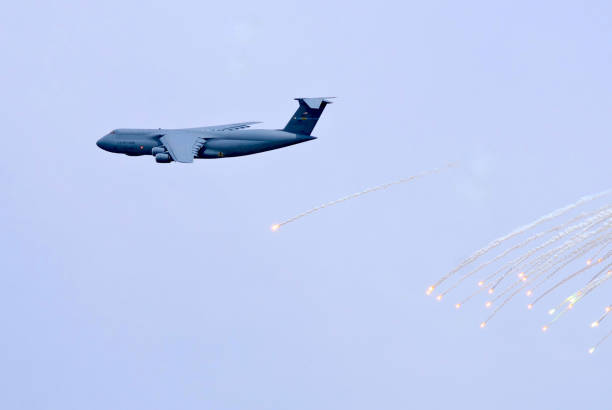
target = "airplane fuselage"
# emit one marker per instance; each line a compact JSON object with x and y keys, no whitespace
{"x":218,"y":144}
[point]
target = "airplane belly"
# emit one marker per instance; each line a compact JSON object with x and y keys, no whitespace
{"x":217,"y":148}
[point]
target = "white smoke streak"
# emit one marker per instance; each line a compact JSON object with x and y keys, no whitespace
{"x":499,"y":241}
{"x":275,"y":227}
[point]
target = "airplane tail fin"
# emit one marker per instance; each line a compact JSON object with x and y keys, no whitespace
{"x":307,"y":115}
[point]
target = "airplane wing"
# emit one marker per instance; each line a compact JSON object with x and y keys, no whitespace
{"x":183,"y":146}
{"x":227,"y":127}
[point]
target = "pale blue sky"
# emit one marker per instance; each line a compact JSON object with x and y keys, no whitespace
{"x":129,"y":284}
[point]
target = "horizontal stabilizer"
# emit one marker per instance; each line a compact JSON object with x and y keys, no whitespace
{"x":315,"y":103}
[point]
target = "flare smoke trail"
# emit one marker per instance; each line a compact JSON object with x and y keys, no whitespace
{"x":546,"y":259}
{"x":519,"y":231}
{"x":275,"y":227}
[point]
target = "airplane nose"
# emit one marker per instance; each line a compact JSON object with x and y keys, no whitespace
{"x":103,"y":143}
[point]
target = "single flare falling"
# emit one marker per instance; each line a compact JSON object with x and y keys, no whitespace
{"x":542,"y":263}
{"x":277,"y":226}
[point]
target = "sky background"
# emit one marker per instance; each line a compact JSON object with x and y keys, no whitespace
{"x":129,"y":284}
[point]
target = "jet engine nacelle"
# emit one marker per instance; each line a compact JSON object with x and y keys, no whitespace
{"x":158,"y":150}
{"x":163,"y":158}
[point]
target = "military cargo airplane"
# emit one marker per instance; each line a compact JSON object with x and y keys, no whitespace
{"x":231,"y":140}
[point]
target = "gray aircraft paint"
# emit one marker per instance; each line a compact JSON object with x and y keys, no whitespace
{"x":232,"y":140}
